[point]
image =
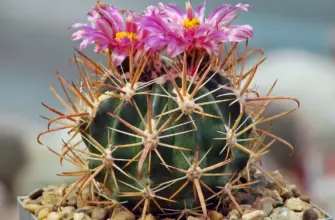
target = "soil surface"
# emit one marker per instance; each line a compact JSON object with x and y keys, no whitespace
{"x":253,"y":197}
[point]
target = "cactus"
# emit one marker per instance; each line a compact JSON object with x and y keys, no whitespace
{"x":163,"y":131}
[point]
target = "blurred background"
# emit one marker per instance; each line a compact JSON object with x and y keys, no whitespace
{"x":299,"y":41}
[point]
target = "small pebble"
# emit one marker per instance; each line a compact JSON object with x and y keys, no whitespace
{"x":214,"y":215}
{"x":87,"y":210}
{"x":234,"y":215}
{"x":54,"y":216}
{"x":35,"y":201}
{"x":80,"y":216}
{"x":294,"y":190}
{"x":61,"y":190}
{"x":37,"y":193}
{"x":297,"y":204}
{"x":149,"y":217}
{"x":68,"y":211}
{"x":234,"y":212}
{"x":275,"y":195}
{"x":267,"y":208}
{"x":50,"y":197}
{"x":37,"y":211}
{"x":43,"y":213}
{"x":99,"y":213}
{"x":286,"y":193}
{"x":244,"y":198}
{"x":271,"y":201}
{"x":246,"y":207}
{"x":31,"y":207}
{"x":310,"y":214}
{"x":295,"y":215}
{"x":192,"y":218}
{"x":124,"y":215}
{"x":305,"y":198}
{"x":254,"y":215}
{"x":277,"y":176}
{"x":296,"y":193}
{"x":280,"y":213}
{"x":50,"y":188}
{"x":265,"y":192}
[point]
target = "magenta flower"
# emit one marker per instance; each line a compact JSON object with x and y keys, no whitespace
{"x":221,"y":18}
{"x":180,"y":31}
{"x":107,"y":30}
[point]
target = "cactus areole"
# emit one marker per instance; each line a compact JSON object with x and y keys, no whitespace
{"x":170,"y":119}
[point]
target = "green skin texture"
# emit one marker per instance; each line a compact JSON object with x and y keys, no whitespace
{"x":201,"y":138}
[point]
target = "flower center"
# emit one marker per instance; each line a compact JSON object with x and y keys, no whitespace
{"x":124,"y":34}
{"x":191,"y":24}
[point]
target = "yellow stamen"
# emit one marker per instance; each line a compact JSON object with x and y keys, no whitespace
{"x":130,"y":35}
{"x":100,"y":3}
{"x":190,"y":24}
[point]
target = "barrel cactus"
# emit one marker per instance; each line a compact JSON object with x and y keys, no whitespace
{"x":170,"y":120}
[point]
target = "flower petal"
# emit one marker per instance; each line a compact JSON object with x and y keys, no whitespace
{"x":84,"y":44}
{"x":203,"y":30}
{"x":105,"y":29}
{"x":233,"y":33}
{"x":131,"y":26}
{"x":112,"y":15}
{"x":155,"y":44}
{"x":225,"y":14}
{"x":79,"y":34}
{"x":118,"y":56}
{"x":200,"y":11}
{"x":189,"y":10}
{"x":239,"y":32}
{"x":151,"y":11}
{"x":154,"y":24}
{"x":175,"y":47}
{"x":172,"y":13}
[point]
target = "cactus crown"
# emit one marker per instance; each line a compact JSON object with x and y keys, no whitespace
{"x":171,"y":121}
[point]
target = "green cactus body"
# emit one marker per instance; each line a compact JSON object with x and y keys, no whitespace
{"x":176,"y":145}
{"x":163,"y":130}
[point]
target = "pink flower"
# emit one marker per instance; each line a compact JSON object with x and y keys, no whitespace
{"x":221,"y":19}
{"x":180,"y":31}
{"x":107,"y":30}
